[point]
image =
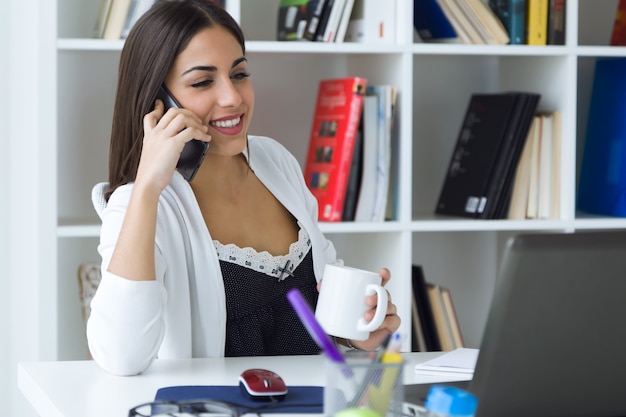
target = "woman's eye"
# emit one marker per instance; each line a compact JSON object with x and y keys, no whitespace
{"x":241,"y":75}
{"x":202,"y":84}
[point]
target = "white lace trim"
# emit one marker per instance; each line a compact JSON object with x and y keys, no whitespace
{"x":280,"y":266}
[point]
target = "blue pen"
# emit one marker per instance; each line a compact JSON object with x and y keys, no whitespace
{"x":304,"y":312}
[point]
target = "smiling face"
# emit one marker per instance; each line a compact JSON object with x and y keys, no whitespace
{"x":210,"y":77}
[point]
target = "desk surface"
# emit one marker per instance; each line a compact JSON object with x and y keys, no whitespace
{"x":81,"y":388}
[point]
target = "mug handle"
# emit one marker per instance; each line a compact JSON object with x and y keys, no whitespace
{"x":381,"y":309}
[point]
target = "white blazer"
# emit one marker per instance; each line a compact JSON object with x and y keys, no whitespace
{"x":183,"y":313}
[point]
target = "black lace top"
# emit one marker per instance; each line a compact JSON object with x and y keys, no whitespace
{"x":260,"y":319}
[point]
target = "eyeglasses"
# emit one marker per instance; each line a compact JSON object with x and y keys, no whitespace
{"x":184,"y":409}
{"x":208,"y":408}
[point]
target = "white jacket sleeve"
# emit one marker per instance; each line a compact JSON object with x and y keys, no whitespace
{"x":125,"y":327}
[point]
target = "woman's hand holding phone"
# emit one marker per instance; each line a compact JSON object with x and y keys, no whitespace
{"x":165,"y":135}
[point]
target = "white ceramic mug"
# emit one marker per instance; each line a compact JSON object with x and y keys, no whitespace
{"x":341,"y":303}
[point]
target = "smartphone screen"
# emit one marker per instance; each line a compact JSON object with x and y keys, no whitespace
{"x":194,"y":151}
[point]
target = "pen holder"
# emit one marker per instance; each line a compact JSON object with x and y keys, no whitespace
{"x":363,"y":383}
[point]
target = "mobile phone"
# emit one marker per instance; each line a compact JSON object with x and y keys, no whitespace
{"x":194,"y":151}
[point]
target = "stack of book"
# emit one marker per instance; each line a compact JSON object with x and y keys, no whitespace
{"x":480,"y":176}
{"x":349,"y":161}
{"x":117,"y":17}
{"x":434,"y":320}
{"x":537,"y":182}
{"x":468,"y":21}
{"x":368,"y":21}
{"x":515,"y":22}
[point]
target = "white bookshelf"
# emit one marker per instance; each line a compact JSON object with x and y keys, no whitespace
{"x":434,"y":83}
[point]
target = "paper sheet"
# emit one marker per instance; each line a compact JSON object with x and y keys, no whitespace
{"x":461,"y":361}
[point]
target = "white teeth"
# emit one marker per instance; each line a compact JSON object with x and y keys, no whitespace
{"x":227,"y":123}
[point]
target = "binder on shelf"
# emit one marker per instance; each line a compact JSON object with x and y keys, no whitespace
{"x":477,"y":183}
{"x":602,"y":186}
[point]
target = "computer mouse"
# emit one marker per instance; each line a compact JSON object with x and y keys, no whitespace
{"x":262,"y":385}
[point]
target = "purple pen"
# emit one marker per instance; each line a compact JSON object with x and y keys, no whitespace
{"x":304,"y":312}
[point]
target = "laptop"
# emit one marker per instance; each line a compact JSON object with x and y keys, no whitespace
{"x":555,"y":340}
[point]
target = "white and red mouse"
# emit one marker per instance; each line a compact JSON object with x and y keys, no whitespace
{"x":262,"y":385}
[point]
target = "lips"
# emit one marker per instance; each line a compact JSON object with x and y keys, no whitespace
{"x":226,"y":123}
{"x":230,"y":125}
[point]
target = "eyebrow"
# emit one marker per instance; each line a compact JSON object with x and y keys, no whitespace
{"x":212,"y":68}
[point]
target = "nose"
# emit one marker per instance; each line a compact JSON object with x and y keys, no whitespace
{"x":228,"y":95}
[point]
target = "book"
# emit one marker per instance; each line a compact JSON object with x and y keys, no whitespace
{"x":393,"y":188}
{"x":521,"y":183}
{"x":473,"y":181}
{"x":512,"y":13}
{"x":101,"y":19}
{"x":331,"y":145}
{"x":418,"y":342}
{"x":556,"y":22}
{"x":386,"y":106}
{"x":555,"y":198}
{"x":321,"y":28}
{"x":601,"y":187}
{"x":486,"y":23}
{"x":431,"y":23}
{"x":135,"y":11}
{"x":532,"y":209}
{"x":292,"y":19}
{"x":314,"y":17}
{"x":439,"y":315}
{"x":344,"y":21}
{"x":354,"y":177}
{"x":367,"y":190}
{"x":537,"y":22}
{"x":618,"y":34}
{"x":466,"y":31}
{"x":372,"y":21}
{"x":332,"y":24}
{"x":452,"y":318}
{"x":500,"y":184}
{"x":116,"y":19}
{"x":424,"y":308}
{"x":545,"y":167}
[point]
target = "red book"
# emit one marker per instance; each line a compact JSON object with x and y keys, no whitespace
{"x":618,"y":37}
{"x":331,"y":145}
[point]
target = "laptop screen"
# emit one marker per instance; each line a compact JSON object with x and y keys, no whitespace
{"x":555,"y":339}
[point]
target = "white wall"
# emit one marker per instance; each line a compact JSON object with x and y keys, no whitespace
{"x":26,"y":297}
{"x":5,"y":317}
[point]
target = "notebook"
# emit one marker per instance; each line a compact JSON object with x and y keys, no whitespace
{"x":555,"y":339}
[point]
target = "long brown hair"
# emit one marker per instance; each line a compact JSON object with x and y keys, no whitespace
{"x":149,"y":51}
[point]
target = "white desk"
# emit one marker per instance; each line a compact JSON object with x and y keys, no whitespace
{"x":82,"y":389}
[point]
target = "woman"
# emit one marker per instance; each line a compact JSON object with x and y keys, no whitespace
{"x":201,"y":268}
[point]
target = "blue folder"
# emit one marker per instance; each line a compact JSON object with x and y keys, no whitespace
{"x":299,"y":399}
{"x":602,"y":185}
